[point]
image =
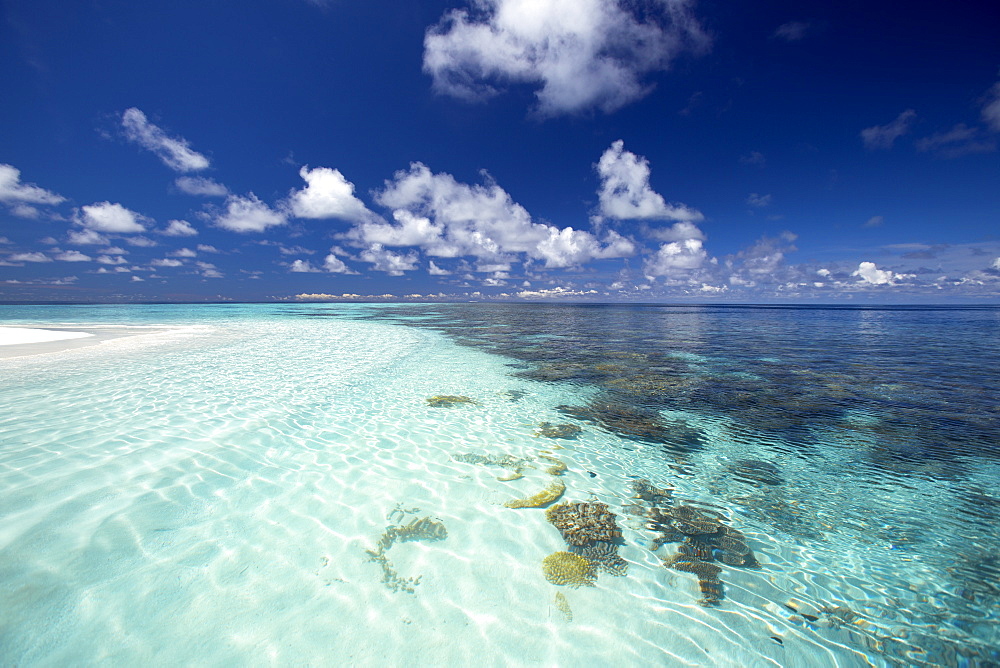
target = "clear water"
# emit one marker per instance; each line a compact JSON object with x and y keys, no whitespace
{"x":211,"y":490}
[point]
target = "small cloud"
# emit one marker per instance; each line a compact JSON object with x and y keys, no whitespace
{"x":991,"y":108}
{"x":179,"y":228}
{"x":960,"y":140}
{"x":109,"y":218}
{"x":86,"y":238}
{"x":874,"y":221}
{"x":870,"y":274}
{"x":174,"y":152}
{"x":248,"y":214}
{"x":793,"y":31}
{"x":111,"y":259}
{"x":208,"y":270}
{"x":435,"y":270}
{"x":166,"y":262}
{"x":182,"y":252}
{"x":625,"y":192}
{"x":759,"y":201}
{"x":389,"y":261}
{"x":200,"y":186}
{"x":754,"y":159}
{"x":136,"y":279}
{"x":12,"y":191}
{"x":693,"y":103}
{"x":303,"y":267}
{"x":143,"y":242}
{"x":29,"y":257}
{"x":327,"y":195}
{"x":25,"y":211}
{"x":335,"y":265}
{"x":205,"y":248}
{"x":883,"y":136}
{"x":73,"y":256}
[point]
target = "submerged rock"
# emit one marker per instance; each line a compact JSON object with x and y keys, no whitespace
{"x":549,"y":430}
{"x":448,"y":400}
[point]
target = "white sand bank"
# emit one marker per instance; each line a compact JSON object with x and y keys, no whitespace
{"x":12,"y":336}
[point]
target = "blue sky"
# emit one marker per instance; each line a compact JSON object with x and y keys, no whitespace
{"x":657,"y":150}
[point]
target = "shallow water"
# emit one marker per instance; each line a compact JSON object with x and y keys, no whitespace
{"x":214,"y":490}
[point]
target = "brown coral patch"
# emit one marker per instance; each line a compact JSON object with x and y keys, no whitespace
{"x":580,"y":523}
{"x":566,"y":568}
{"x":693,"y":522}
{"x":604,"y":555}
{"x":542,"y":498}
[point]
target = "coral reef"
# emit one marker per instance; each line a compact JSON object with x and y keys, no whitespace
{"x":692,"y":521}
{"x":390,"y":578}
{"x":423,"y":528}
{"x":655,"y":496}
{"x":566,"y":568}
{"x":558,"y":466}
{"x":704,"y":538}
{"x":591,"y":531}
{"x":542,"y":498}
{"x":708,"y":577}
{"x":563,"y":606}
{"x":549,"y":430}
{"x":448,"y":400}
{"x":604,"y":555}
{"x":581,"y":523}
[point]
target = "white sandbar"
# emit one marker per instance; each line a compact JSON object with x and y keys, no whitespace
{"x":11,"y":336}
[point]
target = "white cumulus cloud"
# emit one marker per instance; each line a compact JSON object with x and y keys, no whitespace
{"x":450,"y":219}
{"x":581,"y":54}
{"x":109,"y":218}
{"x":870,"y":274}
{"x":335,"y":265}
{"x":327,"y":195}
{"x":302,"y":267}
{"x":625,"y":192}
{"x":179,"y":228}
{"x":389,"y":261}
{"x":248,"y":214}
{"x":29,"y":257}
{"x":73,"y":256}
{"x":12,"y":191}
{"x":174,"y":152}
{"x":676,"y":257}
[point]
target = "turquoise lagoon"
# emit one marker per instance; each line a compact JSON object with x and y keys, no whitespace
{"x":232,"y":484}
